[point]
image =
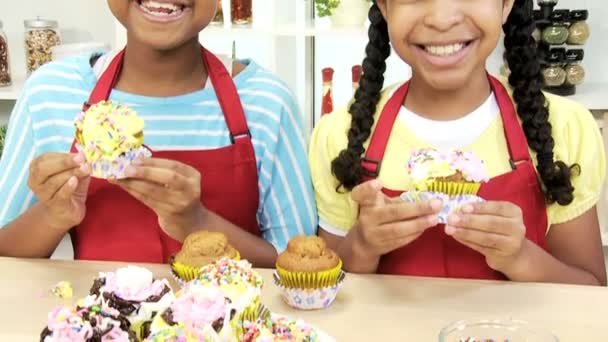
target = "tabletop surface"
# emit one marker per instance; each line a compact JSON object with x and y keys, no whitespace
{"x":368,"y":308}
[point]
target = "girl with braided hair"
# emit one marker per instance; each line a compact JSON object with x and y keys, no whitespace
{"x":543,"y":153}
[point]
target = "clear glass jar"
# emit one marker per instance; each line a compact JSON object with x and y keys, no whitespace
{"x":241,"y":12}
{"x":575,"y":73}
{"x":40,"y":36}
{"x":219,"y":15}
{"x":579,"y":30}
{"x":5,"y":71}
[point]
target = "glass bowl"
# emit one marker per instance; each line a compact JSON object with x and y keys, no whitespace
{"x":494,"y":331}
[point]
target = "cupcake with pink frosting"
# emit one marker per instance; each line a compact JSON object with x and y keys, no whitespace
{"x":198,"y":310}
{"x":93,"y":323}
{"x":452,"y":173}
{"x":453,"y":177}
{"x":134,"y":292}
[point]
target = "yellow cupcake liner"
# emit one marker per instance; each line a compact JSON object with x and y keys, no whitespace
{"x":309,"y":280}
{"x":453,"y":188}
{"x":252,"y":313}
{"x":141,"y":329}
{"x":188,"y":273}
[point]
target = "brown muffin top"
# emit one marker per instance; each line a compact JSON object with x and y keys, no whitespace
{"x":307,"y":254}
{"x":204,"y":247}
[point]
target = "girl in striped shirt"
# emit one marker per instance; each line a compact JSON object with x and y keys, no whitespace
{"x":228,"y":152}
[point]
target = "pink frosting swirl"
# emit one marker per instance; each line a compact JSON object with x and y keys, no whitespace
{"x":198,"y":306}
{"x":67,"y":325}
{"x":132,"y":283}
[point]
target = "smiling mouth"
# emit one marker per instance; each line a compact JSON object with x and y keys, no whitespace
{"x":161,"y":9}
{"x":445,"y":50}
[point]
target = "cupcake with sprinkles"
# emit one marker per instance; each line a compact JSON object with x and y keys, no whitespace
{"x":90,"y":323}
{"x":199,"y":249}
{"x":279,"y":330}
{"x":452,"y":173}
{"x":111,"y":137}
{"x":201,"y":309}
{"x":134,"y":292}
{"x":238,"y":282}
{"x":181,"y":333}
{"x":454,"y":178}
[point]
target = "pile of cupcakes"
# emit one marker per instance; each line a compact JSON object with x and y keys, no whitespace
{"x":219,"y":297}
{"x":453,"y":177}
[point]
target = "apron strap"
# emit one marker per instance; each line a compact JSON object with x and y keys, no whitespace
{"x":374,"y":154}
{"x":516,"y":139}
{"x":228,"y":96}
{"x":221,"y":80}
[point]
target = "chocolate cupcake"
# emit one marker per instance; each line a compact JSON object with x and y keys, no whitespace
{"x":90,"y":321}
{"x":134,"y":293}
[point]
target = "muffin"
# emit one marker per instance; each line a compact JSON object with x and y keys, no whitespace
{"x":308,"y":263}
{"x":279,"y":330}
{"x":198,"y":309}
{"x":134,"y":292}
{"x":238,"y":282}
{"x":453,"y":173}
{"x":110,"y":136}
{"x":199,"y":249}
{"x":90,"y":323}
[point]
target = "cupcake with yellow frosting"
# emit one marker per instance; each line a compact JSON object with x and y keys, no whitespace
{"x":238,"y":282}
{"x":199,"y":249}
{"x":111,"y":137}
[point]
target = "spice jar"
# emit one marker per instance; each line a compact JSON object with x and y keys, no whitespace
{"x":40,"y":36}
{"x":554,"y":74}
{"x":575,"y":73}
{"x":5,"y":71}
{"x":556,"y":34}
{"x":219,"y":14}
{"x":241,"y":12}
{"x":579,"y":31}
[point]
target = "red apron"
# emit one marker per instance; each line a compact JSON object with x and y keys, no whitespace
{"x":117,"y":227}
{"x":436,"y":254}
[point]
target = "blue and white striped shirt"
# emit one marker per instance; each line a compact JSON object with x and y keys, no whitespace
{"x":42,"y":121}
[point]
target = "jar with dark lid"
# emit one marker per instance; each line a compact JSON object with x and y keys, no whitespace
{"x":575,"y":73}
{"x":579,"y":30}
{"x":556,"y":34}
{"x":554,"y":74}
{"x":5,"y":71}
{"x":40,"y":36}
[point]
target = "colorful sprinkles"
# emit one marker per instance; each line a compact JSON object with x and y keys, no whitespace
{"x":228,"y":271}
{"x":279,"y":329}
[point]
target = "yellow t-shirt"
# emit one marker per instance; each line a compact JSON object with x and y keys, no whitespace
{"x":577,"y":141}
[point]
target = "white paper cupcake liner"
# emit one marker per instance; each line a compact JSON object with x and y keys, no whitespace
{"x":309,"y":299}
{"x":451,"y":204}
{"x":115,"y":169}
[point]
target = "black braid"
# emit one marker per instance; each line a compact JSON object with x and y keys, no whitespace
{"x":347,"y":166}
{"x":526,"y":80}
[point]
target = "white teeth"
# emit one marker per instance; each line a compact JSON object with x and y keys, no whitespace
{"x":159,"y":8}
{"x":444,"y":50}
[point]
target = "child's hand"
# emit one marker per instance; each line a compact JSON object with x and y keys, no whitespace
{"x":385,"y":224}
{"x":494,"y":229}
{"x":171,"y":189}
{"x":60,"y":182}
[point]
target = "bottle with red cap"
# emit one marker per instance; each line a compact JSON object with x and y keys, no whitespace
{"x":327,"y":106}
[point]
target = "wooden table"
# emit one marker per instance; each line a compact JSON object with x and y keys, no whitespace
{"x":369,"y":308}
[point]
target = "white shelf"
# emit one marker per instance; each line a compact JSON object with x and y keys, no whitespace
{"x":592,"y":96}
{"x":293,"y":30}
{"x":12,"y":92}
